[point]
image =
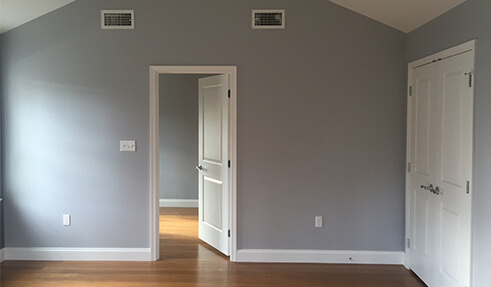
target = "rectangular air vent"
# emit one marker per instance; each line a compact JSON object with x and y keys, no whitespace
{"x":118,"y":19}
{"x":268,"y":19}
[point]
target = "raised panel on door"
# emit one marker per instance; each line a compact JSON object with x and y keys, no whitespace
{"x":212,"y":202}
{"x":421,"y":248}
{"x":449,"y":266}
{"x":421,"y":212}
{"x":424,"y":89}
{"x":451,"y":129}
{"x":454,"y":169}
{"x":212,"y":124}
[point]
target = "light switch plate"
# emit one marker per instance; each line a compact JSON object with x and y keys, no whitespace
{"x":127,"y":145}
{"x":67,"y":220}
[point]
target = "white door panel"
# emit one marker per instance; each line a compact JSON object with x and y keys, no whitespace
{"x":213,"y":162}
{"x":453,"y":170}
{"x":212,"y":124}
{"x":421,"y":211}
{"x":425,"y":88}
{"x":212,"y":202}
{"x":424,"y":101}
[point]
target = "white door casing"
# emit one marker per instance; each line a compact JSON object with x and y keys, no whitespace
{"x":155,"y":72}
{"x":440,"y":135}
{"x":213,"y":162}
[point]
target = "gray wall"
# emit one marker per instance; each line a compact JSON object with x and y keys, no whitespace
{"x":469,"y":21}
{"x":178,"y":130}
{"x":321,"y":122}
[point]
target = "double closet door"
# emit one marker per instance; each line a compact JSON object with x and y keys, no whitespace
{"x":440,"y":121}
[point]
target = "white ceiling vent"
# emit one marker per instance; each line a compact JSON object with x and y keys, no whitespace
{"x":268,"y":19}
{"x":118,"y":19}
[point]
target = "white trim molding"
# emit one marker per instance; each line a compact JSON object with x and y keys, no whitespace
{"x":78,"y":254}
{"x":450,"y":52}
{"x":2,"y":255}
{"x":320,"y":256}
{"x":155,"y":71}
{"x":178,"y":203}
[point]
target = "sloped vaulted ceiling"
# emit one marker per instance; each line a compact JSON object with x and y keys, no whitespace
{"x":14,"y":13}
{"x":404,"y":15}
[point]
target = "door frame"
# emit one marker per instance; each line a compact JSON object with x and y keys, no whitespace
{"x":155,"y":71}
{"x":469,"y":46}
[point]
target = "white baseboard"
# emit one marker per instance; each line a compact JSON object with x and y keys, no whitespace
{"x":178,"y":203}
{"x":319,"y":256}
{"x":78,"y":254}
{"x":243,"y":255}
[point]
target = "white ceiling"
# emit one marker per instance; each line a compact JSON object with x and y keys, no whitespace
{"x":404,"y":15}
{"x":14,"y":13}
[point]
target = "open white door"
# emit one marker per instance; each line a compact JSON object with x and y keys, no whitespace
{"x":441,"y":170}
{"x":213,"y":160}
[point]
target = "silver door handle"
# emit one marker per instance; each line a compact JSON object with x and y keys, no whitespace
{"x":432,"y":189}
{"x":436,"y":191}
{"x":199,"y":167}
{"x":427,"y":187}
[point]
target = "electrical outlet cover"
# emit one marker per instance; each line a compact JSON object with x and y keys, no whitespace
{"x":127,"y":145}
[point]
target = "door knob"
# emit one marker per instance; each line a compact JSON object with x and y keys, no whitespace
{"x":199,"y":167}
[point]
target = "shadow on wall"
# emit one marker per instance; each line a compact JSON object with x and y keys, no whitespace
{"x":178,"y":135}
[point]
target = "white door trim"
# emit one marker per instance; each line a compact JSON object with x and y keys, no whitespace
{"x":453,"y":51}
{"x":155,"y":71}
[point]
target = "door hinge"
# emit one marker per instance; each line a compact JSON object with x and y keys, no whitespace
{"x":467,"y":187}
{"x":229,"y":93}
{"x":228,"y":164}
{"x":470,"y":78}
{"x":408,"y":243}
{"x":408,"y":167}
{"x":229,"y":233}
{"x":410,"y":91}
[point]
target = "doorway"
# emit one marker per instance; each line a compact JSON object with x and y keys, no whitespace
{"x":439,"y":174}
{"x":229,"y":180}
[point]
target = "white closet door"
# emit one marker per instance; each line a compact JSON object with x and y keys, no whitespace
{"x":441,"y":121}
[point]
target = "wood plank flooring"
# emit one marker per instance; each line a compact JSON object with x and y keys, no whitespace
{"x":189,"y":262}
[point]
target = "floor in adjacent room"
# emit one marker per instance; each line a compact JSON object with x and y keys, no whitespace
{"x":186,"y":261}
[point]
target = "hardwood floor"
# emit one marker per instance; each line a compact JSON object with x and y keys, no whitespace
{"x":190,"y":262}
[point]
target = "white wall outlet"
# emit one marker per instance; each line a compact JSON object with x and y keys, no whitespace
{"x":127,"y":145}
{"x":67,"y":220}
{"x":318,"y":221}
